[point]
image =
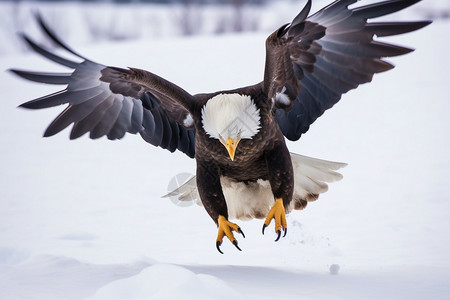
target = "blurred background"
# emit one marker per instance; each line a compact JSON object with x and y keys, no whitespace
{"x":80,"y":22}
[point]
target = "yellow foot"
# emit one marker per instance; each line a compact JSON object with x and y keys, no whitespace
{"x":277,"y":212}
{"x":225,"y":229}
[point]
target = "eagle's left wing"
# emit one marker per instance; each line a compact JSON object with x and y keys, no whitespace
{"x":110,"y":101}
{"x":311,"y":62}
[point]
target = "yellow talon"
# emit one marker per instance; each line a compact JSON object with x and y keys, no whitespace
{"x":277,"y":213}
{"x":225,"y":229}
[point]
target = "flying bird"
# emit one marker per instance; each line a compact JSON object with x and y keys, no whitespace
{"x":237,"y":137}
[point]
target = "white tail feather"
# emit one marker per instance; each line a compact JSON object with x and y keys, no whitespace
{"x":186,"y":192}
{"x":311,"y":175}
{"x":254,"y":200}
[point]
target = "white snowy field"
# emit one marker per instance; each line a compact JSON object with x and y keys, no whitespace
{"x":84,"y":219}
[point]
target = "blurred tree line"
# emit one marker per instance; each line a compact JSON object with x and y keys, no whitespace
{"x":234,"y":2}
{"x":97,"y":20}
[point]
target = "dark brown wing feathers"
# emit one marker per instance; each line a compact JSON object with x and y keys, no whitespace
{"x":314,"y":60}
{"x":113,"y":101}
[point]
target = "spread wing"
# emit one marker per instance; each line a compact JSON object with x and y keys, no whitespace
{"x":113,"y":101}
{"x":311,"y":62}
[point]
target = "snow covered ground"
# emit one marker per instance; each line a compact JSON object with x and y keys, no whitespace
{"x":84,"y":219}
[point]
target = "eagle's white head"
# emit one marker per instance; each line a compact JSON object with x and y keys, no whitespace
{"x":230,"y":118}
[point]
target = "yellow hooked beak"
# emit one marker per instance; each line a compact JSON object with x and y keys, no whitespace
{"x":231,"y":146}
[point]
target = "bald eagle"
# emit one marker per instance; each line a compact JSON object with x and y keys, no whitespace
{"x":237,"y":137}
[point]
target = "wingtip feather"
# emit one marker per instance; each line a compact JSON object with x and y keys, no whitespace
{"x":51,"y":34}
{"x":303,"y":14}
{"x":49,"y":55}
{"x":29,"y":105}
{"x":48,"y":134}
{"x":42,"y":77}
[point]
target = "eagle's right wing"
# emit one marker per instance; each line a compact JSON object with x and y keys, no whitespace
{"x":112,"y":101}
{"x":312,"y":61}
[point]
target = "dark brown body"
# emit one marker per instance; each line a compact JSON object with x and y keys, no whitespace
{"x":265,"y":156}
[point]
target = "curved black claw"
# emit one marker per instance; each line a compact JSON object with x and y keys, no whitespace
{"x":236,"y":244}
{"x":278,"y":235}
{"x":285,"y":231}
{"x":218,"y":247}
{"x":241,"y":232}
{"x":264,"y":227}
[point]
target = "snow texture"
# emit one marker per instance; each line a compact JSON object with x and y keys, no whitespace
{"x":83,"y":219}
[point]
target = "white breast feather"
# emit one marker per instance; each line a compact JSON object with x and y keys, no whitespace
{"x":228,"y":115}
